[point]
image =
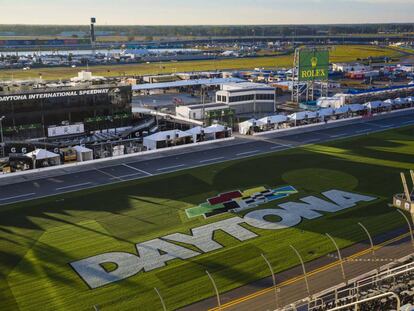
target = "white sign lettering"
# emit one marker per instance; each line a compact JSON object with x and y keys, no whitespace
{"x":35,"y":96}
{"x":156,"y":253}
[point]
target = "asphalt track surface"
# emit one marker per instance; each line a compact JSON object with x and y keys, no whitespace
{"x":323,"y":273}
{"x":15,"y":189}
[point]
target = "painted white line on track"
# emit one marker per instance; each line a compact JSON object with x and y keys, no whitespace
{"x":170,"y":167}
{"x":362,"y":131}
{"x":73,"y":186}
{"x":277,"y":147}
{"x":335,"y":136}
{"x":211,"y":160}
{"x":381,"y":126}
{"x":286,"y":145}
{"x":137,"y":169}
{"x":128,"y":175}
{"x":311,"y":141}
{"x":408,"y":122}
{"x":107,"y":174}
{"x":247,"y":152}
{"x":17,"y":196}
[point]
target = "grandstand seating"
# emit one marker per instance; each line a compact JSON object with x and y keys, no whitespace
{"x":396,"y":278}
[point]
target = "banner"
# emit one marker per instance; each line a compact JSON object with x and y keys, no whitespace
{"x":313,"y":65}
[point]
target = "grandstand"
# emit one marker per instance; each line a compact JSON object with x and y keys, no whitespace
{"x":389,"y":288}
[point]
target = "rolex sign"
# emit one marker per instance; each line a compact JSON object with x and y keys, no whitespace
{"x":313,"y":65}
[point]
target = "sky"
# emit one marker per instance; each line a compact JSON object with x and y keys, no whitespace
{"x":205,"y":12}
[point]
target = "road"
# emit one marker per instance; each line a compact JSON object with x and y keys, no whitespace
{"x":42,"y":184}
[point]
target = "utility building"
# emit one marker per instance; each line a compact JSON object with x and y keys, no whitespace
{"x":247,"y":97}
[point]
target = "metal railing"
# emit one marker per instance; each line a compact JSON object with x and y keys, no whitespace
{"x":352,"y":292}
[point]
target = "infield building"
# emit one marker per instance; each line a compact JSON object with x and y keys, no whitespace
{"x":41,"y":113}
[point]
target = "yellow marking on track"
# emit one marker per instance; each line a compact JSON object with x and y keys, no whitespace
{"x":313,"y":272}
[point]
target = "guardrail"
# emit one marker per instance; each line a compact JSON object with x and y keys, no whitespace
{"x":333,"y":123}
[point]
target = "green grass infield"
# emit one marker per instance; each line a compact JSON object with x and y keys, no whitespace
{"x":39,"y":239}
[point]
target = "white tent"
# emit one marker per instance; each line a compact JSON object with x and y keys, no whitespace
{"x":373,"y":105}
{"x":400,"y":101}
{"x":195,"y":131}
{"x":215,"y":128}
{"x":45,"y":157}
{"x":302,"y":115}
{"x":42,"y":154}
{"x":83,"y":153}
{"x":326,"y":112}
{"x":151,"y":141}
{"x":341,"y":110}
{"x":276,"y":119}
{"x":244,"y":127}
{"x":356,"y":107}
{"x":389,"y":101}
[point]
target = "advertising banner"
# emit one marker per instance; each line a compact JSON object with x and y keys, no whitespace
{"x":313,"y":65}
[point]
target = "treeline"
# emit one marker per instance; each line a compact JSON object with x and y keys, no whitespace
{"x":209,"y":31}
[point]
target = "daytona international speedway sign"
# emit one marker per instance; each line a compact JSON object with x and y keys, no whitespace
{"x":156,"y":253}
{"x":37,"y":96}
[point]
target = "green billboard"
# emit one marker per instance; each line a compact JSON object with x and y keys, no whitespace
{"x":313,"y":65}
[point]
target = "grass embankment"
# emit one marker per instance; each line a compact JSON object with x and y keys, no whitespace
{"x":341,"y":53}
{"x":40,"y":238}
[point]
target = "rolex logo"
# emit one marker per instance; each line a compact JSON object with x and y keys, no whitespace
{"x":314,"y":61}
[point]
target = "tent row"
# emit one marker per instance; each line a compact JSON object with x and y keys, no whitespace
{"x":43,"y":158}
{"x":177,"y":137}
{"x":277,"y":121}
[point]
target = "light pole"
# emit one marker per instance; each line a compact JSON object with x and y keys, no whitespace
{"x":273,"y":278}
{"x":162,"y":300}
{"x":339,"y":255}
{"x":372,"y":244}
{"x":409,"y":225}
{"x":369,"y":237}
{"x":1,"y":135}
{"x":303,"y":268}
{"x":215,"y":289}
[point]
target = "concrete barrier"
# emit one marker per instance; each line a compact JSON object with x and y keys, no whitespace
{"x":333,"y":124}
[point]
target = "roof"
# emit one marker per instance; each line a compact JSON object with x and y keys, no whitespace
{"x":248,"y":122}
{"x":160,"y":136}
{"x":326,"y":112}
{"x":207,"y":106}
{"x":274,"y":119}
{"x":241,"y":86}
{"x":195,"y":130}
{"x":303,"y":115}
{"x":341,"y":110}
{"x":82,"y":149}
{"x":174,"y":84}
{"x":392,"y":88}
{"x":42,"y":154}
{"x":215,"y":128}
